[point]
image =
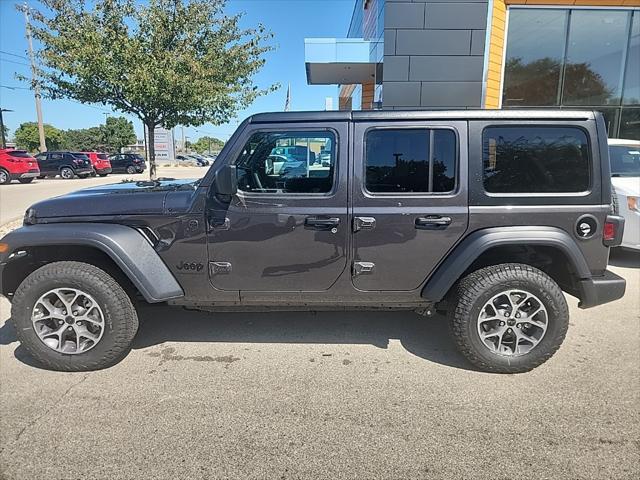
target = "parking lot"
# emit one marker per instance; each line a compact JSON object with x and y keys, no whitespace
{"x":327,"y":395}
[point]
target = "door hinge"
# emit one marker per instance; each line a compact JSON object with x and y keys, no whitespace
{"x":219,"y":268}
{"x":363,"y":223}
{"x":362,"y":268}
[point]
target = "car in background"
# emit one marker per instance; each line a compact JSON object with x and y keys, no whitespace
{"x":17,"y":165}
{"x":201,"y":159}
{"x":130,"y":163}
{"x":100,"y":163}
{"x":624,"y":156}
{"x":66,"y":164}
{"x":183,"y":157}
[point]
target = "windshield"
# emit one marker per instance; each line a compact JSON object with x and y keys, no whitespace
{"x":19,"y":154}
{"x":625,"y":160}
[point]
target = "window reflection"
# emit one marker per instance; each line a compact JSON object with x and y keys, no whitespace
{"x":631,"y":95}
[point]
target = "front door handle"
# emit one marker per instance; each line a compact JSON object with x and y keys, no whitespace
{"x":433,"y":222}
{"x":321,"y":223}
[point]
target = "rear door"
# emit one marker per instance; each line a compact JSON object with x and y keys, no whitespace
{"x":286,"y":229}
{"x":409,"y":200}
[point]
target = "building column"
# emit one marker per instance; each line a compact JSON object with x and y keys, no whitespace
{"x":367,"y":95}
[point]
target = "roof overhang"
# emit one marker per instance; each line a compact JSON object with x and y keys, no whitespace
{"x":342,"y":61}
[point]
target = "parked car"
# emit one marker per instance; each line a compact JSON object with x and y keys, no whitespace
{"x":17,"y":165}
{"x":201,"y":159}
{"x":130,"y":163}
{"x":484,"y":216}
{"x":625,"y":179}
{"x":66,"y":164}
{"x":100,"y":163}
{"x":183,"y":157}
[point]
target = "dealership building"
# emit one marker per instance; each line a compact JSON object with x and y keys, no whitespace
{"x":433,"y":54}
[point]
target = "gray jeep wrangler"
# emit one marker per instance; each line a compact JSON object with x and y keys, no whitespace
{"x":487,"y":216}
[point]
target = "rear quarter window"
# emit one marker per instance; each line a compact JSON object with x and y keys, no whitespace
{"x":535,"y":159}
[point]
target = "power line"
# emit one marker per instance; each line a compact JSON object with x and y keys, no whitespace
{"x":15,"y":88}
{"x":13,"y":61}
{"x":14,"y":54}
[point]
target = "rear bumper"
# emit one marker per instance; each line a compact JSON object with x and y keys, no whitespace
{"x":30,"y":174}
{"x":84,"y":171}
{"x":602,"y":289}
{"x":103,"y":171}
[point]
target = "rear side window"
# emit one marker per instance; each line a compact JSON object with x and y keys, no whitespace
{"x":535,"y":160}
{"x":410,"y":160}
{"x":102,"y":156}
{"x":19,"y":154}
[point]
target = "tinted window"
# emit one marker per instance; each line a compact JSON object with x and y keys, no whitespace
{"x":535,"y":160}
{"x":625,"y":160}
{"x":287,"y":162}
{"x":102,"y":156}
{"x":410,"y":160}
{"x":535,"y":51}
{"x":19,"y":154}
{"x":80,"y":156}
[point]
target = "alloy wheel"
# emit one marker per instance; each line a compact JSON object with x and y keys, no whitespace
{"x":512,"y":322}
{"x":68,"y":320}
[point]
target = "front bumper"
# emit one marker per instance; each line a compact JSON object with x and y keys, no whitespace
{"x":601,"y":289}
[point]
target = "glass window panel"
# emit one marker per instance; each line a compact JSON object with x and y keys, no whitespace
{"x":535,"y":160}
{"x":630,"y":123}
{"x":287,"y":162}
{"x":631,"y":95}
{"x":611,"y":118}
{"x":397,"y":160}
{"x":535,"y":51}
{"x":625,"y":160}
{"x":595,"y":55}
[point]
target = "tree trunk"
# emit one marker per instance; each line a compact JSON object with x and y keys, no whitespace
{"x":151,"y":149}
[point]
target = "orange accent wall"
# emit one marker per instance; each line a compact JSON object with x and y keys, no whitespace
{"x":497,"y":38}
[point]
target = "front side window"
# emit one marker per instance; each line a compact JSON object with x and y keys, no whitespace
{"x":410,"y":160}
{"x":287,"y":162}
{"x":535,"y":160}
{"x":625,"y":160}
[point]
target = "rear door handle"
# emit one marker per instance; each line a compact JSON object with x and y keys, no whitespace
{"x":432,"y":222}
{"x":321,"y":223}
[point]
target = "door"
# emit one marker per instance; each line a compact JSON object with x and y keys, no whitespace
{"x":54,"y":162}
{"x":409,"y":200}
{"x":286,"y":229}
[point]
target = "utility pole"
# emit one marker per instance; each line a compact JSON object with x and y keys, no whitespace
{"x":34,"y":74}
{"x":4,"y":140}
{"x":184,"y":145}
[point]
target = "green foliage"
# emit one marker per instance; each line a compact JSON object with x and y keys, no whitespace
{"x":118,"y":132}
{"x":203,"y":143}
{"x":169,"y":62}
{"x":84,"y":139}
{"x":26,"y":136}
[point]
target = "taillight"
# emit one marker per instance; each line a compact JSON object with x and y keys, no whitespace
{"x":612,"y":231}
{"x":78,"y":162}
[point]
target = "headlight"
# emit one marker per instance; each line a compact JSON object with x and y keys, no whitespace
{"x":632,"y":204}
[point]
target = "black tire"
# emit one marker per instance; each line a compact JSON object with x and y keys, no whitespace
{"x":42,"y":176}
{"x":120,"y":317}
{"x":84,"y":175}
{"x":102,"y":174}
{"x":25,"y":180}
{"x":5,"y":177}
{"x":477,"y":288}
{"x":67,"y":173}
{"x":131,"y":170}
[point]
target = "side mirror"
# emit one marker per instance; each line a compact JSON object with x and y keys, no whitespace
{"x":226,"y":181}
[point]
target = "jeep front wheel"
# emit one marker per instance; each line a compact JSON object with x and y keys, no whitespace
{"x":508,"y":318}
{"x":73,"y":316}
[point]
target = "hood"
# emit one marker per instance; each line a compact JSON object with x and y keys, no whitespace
{"x":126,"y":198}
{"x":627,"y":185}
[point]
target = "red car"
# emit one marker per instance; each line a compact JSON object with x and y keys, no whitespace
{"x":17,"y":165}
{"x":100,"y":163}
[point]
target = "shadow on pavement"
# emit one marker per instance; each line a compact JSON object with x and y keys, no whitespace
{"x":427,"y":338}
{"x":624,"y":258}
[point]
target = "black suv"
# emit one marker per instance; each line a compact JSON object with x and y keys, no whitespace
{"x":130,"y":163}
{"x":485,"y":216}
{"x":66,"y":164}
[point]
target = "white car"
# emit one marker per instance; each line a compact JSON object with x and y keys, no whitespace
{"x":625,"y":179}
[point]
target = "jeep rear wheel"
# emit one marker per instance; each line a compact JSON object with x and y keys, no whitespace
{"x":508,"y":318}
{"x":131,"y":170}
{"x":73,"y":316}
{"x":67,"y":173}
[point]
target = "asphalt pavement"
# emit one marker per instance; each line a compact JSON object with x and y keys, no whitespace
{"x":328,"y":395}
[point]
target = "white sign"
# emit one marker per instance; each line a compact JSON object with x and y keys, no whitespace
{"x":163,"y":143}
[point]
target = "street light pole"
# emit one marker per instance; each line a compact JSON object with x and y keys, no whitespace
{"x":36,"y":87}
{"x":4,"y":140}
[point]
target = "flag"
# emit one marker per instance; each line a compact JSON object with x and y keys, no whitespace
{"x":287,"y":102}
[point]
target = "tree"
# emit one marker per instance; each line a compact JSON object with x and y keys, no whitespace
{"x":84,"y":139}
{"x":169,"y":62}
{"x":118,"y":132}
{"x":26,"y":136}
{"x":204,"y":144}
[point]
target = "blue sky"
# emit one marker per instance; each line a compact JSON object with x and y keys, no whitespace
{"x":290,"y":20}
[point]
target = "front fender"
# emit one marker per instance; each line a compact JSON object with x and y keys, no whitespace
{"x":478,"y":242}
{"x":124,"y":245}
